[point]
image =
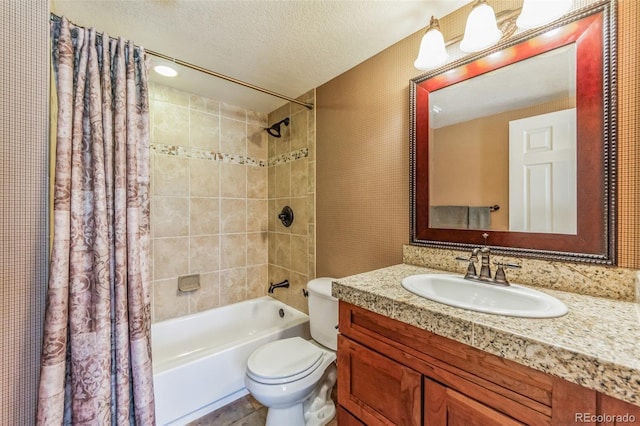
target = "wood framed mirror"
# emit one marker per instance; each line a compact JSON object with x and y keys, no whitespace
{"x":475,"y":152}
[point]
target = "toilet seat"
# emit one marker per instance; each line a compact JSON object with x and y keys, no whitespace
{"x":284,"y":361}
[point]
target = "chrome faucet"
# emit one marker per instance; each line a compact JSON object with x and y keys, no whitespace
{"x":500,"y":277}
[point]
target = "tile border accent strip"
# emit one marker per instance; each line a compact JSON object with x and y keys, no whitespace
{"x":289,"y":157}
{"x":201,"y":154}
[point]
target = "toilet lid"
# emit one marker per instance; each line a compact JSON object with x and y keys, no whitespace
{"x":284,"y":361}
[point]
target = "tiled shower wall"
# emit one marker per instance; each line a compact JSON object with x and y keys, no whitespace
{"x":24,"y":41}
{"x":209,"y":202}
{"x":292,"y":183}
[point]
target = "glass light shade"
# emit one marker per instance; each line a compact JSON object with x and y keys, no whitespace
{"x":165,"y":70}
{"x":536,"y":13}
{"x":481,"y":30}
{"x":432,"y":51}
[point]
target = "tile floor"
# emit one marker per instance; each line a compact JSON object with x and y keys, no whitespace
{"x":245,"y":411}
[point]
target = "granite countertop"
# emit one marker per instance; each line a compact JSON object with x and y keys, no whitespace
{"x":596,"y":344}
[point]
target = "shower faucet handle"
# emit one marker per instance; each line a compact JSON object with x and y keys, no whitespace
{"x":286,"y":216}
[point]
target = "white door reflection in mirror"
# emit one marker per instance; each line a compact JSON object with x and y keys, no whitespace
{"x":542,"y":173}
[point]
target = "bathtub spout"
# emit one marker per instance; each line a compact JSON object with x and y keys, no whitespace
{"x":273,"y":286}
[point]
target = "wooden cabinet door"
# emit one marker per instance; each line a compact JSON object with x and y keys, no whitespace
{"x":376,"y":389}
{"x":345,"y":418}
{"x":444,"y":406}
{"x":614,"y":412}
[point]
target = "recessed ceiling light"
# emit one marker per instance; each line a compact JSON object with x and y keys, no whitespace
{"x":165,"y":70}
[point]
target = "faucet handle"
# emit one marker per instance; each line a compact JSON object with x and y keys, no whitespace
{"x":508,"y":265}
{"x":500,"y":277}
{"x":473,"y":257}
{"x":471,"y":269}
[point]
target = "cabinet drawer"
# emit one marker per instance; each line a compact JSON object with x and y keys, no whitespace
{"x":376,"y":389}
{"x":444,"y":406}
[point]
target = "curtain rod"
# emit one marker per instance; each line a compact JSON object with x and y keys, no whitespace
{"x":226,"y":77}
{"x":54,"y":17}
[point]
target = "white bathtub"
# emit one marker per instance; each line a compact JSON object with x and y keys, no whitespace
{"x":199,"y":360}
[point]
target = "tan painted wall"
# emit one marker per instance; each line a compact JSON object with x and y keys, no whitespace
{"x":24,"y":112}
{"x":362,"y":167}
{"x":363,"y":153}
{"x":628,"y":134}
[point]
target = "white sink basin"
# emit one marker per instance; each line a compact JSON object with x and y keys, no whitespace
{"x":513,"y":300}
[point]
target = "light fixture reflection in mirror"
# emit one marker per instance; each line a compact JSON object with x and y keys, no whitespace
{"x":536,"y":13}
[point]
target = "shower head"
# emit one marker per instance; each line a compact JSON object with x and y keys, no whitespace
{"x":274,"y":130}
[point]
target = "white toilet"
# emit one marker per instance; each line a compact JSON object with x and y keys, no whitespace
{"x":294,"y":377}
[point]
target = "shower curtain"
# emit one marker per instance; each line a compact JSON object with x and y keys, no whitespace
{"x":96,"y":359}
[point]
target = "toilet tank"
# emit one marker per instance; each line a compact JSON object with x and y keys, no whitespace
{"x":323,"y":313}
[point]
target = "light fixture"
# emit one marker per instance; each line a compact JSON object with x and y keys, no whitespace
{"x":536,"y":13}
{"x":165,"y":70}
{"x":432,"y":51}
{"x":481,"y":30}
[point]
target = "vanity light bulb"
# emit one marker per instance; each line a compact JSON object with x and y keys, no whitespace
{"x":432,"y":51}
{"x":481,"y":30}
{"x":536,"y":13}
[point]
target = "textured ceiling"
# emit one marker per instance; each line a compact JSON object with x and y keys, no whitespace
{"x":288,"y":47}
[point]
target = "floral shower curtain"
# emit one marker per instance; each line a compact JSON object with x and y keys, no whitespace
{"x":96,"y":360}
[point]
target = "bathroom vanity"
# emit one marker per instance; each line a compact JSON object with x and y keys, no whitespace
{"x":406,"y":360}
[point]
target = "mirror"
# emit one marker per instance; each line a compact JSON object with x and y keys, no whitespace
{"x":519,"y":142}
{"x":478,"y":182}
